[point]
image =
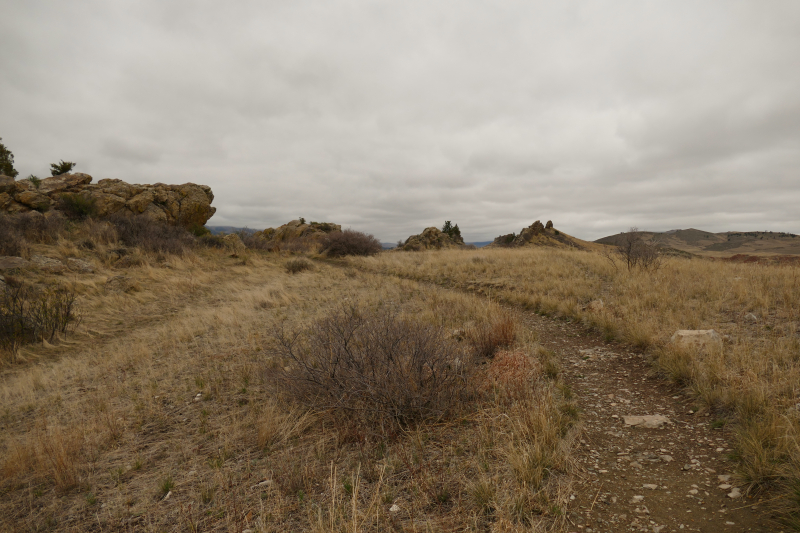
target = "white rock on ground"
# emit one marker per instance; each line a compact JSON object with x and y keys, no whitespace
{"x":48,"y":264}
{"x":646,"y":421}
{"x":696,"y":338}
{"x":79,"y":265}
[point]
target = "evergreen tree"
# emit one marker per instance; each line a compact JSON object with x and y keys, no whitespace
{"x":63,"y":167}
{"x":7,"y":161}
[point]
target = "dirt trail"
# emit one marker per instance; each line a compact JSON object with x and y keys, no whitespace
{"x":637,"y":479}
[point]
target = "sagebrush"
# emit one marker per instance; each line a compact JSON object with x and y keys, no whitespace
{"x":378,"y":366}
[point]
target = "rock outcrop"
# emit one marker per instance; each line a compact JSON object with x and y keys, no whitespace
{"x":295,"y":234}
{"x":536,"y":234}
{"x":430,"y":239}
{"x":188,"y":205}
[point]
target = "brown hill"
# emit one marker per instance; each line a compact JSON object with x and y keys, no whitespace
{"x":724,"y":244}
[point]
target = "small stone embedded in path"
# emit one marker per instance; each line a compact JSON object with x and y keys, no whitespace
{"x":646,"y":421}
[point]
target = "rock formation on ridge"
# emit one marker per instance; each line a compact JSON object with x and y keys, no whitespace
{"x":188,"y":205}
{"x":430,"y":239}
{"x":295,"y":234}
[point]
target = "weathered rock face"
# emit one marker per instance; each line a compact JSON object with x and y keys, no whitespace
{"x":535,"y":234}
{"x":430,"y":239}
{"x":188,"y":205}
{"x":234,"y":244}
{"x":295,"y":233}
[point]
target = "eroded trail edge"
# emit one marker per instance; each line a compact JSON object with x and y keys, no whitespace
{"x":677,"y":477}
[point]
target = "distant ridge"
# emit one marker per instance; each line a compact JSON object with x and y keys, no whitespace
{"x":725,"y":244}
{"x":219,"y":230}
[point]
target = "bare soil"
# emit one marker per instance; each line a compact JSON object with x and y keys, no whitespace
{"x":675,"y":478}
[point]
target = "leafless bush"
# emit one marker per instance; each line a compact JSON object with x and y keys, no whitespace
{"x":487,"y":338}
{"x":252,"y":242}
{"x":300,"y":245}
{"x":16,"y":231}
{"x":152,"y":236}
{"x":11,"y":241}
{"x":98,"y":232}
{"x":350,"y":242}
{"x":39,"y":228}
{"x":635,"y":251}
{"x":376,"y":366}
{"x":298,"y":264}
{"x":212,"y":241}
{"x":28,"y":314}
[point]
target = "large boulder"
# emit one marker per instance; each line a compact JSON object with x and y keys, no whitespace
{"x":33,"y":200}
{"x":188,"y":205}
{"x":234,"y":244}
{"x":295,"y":234}
{"x":430,"y":239}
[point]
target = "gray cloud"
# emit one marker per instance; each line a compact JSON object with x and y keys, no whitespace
{"x":389,"y":117}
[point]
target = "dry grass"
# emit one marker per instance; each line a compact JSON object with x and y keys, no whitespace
{"x":167,"y":389}
{"x":752,"y":379}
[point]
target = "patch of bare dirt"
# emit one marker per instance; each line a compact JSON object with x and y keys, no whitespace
{"x":675,"y":478}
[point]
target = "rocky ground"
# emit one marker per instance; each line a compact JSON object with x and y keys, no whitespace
{"x":673,"y":477}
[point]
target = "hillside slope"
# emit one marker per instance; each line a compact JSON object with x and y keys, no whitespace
{"x":724,"y":244}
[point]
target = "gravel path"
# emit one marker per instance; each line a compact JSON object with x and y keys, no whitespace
{"x":674,"y":478}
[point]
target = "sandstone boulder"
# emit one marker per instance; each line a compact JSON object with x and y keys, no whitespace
{"x":188,"y":204}
{"x":79,"y":265}
{"x":696,"y":338}
{"x":48,"y":264}
{"x":33,"y":200}
{"x":430,"y":239}
{"x":295,"y":234}
{"x":64,"y":183}
{"x":234,"y":244}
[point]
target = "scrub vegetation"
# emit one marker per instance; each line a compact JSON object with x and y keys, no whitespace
{"x":189,"y":397}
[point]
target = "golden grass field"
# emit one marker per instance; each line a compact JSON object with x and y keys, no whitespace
{"x":752,"y":380}
{"x":166,"y":389}
{"x":162,"y":411}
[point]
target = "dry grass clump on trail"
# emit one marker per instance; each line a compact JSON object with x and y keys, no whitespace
{"x":750,"y":379}
{"x":298,"y":264}
{"x":162,"y":413}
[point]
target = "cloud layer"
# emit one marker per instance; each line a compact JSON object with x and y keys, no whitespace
{"x":392,"y":116}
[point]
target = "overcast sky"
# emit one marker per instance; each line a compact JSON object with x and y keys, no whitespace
{"x":389,"y":117}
